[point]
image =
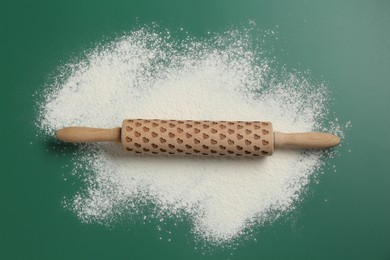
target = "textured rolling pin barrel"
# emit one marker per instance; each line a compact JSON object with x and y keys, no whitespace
{"x":198,"y":137}
{"x":189,"y":137}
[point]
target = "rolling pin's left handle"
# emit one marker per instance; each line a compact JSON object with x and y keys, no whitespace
{"x":87,"y":134}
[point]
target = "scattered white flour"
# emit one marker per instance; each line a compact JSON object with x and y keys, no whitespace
{"x":151,"y":75}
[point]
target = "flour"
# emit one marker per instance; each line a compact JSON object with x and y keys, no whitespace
{"x":150,"y":75}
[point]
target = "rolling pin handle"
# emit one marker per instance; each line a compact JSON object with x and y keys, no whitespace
{"x":87,"y":134}
{"x":313,"y":140}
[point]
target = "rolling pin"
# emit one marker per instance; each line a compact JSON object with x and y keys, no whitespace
{"x":189,"y":137}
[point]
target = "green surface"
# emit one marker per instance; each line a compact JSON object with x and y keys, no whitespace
{"x":346,"y":43}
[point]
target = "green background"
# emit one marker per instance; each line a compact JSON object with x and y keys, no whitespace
{"x":346,"y":43}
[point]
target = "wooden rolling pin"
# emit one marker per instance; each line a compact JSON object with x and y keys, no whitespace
{"x":190,"y":137}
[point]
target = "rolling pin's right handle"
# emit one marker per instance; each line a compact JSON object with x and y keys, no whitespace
{"x":312,"y":140}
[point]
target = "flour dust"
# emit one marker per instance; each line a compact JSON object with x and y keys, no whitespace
{"x":148,"y":74}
